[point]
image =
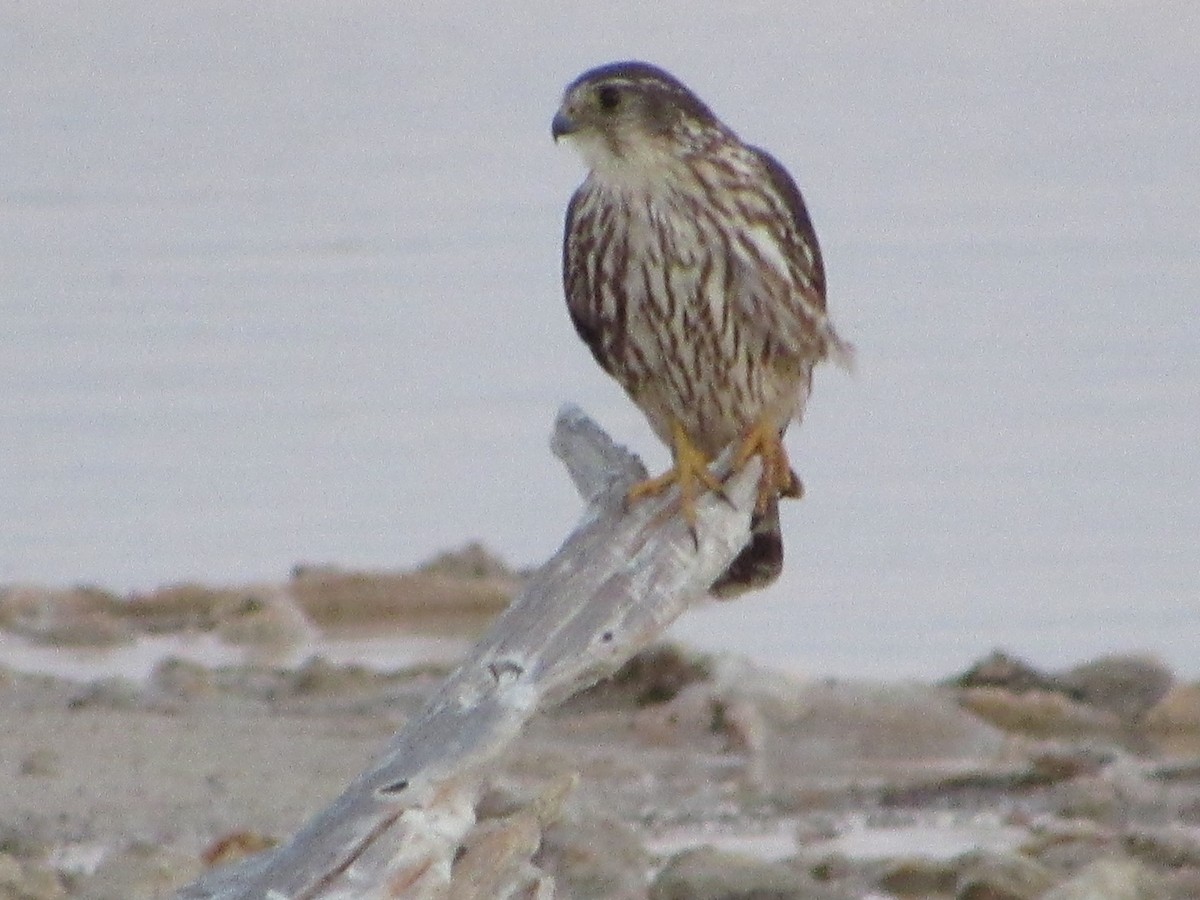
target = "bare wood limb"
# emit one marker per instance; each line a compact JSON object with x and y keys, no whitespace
{"x":621,"y":577}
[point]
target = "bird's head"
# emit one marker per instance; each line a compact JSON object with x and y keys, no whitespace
{"x":629,"y":115}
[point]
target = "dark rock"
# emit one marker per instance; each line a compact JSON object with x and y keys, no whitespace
{"x":1189,"y":809}
{"x":433,"y":601}
{"x":1112,"y":879}
{"x":1039,"y":713}
{"x":1095,"y":799}
{"x":1178,"y":711}
{"x":918,"y":876}
{"x":28,"y":880}
{"x":176,"y":607}
{"x":859,"y":732}
{"x":999,"y":670}
{"x":79,"y":617}
{"x":1168,"y":848}
{"x":594,"y":858}
{"x":1070,"y":844}
{"x":494,"y":860}
{"x":262,"y":618}
{"x":1014,"y":695}
{"x":500,"y":799}
{"x":1126,"y":685}
{"x":705,"y":873}
{"x":182,"y":679}
{"x":109,"y":693}
{"x":654,"y":676}
{"x":692,"y":718}
{"x":317,"y":675}
{"x":1058,"y":762}
{"x":1001,"y":876}
{"x":471,"y":561}
{"x":26,"y":839}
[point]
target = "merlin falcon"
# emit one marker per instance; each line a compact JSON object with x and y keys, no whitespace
{"x":692,"y":272}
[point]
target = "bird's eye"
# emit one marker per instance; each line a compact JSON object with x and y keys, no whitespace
{"x":608,"y":97}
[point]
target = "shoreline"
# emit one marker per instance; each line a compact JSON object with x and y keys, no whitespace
{"x":130,"y":789}
{"x":698,"y":776}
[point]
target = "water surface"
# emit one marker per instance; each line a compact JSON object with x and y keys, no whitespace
{"x":279,"y":284}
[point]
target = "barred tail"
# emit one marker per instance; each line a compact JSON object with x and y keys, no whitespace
{"x":760,"y":561}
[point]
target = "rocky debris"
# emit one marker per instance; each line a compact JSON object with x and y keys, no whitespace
{"x":495,"y":857}
{"x":182,"y":679}
{"x":181,"y":607}
{"x":707,"y":873}
{"x":652,"y":677}
{"x":862,"y":734}
{"x":594,"y":858}
{"x":918,"y":877}
{"x":1171,"y":847}
{"x":318,"y":675}
{"x":1001,"y":876}
{"x":267,"y":619}
{"x":1038,"y":713}
{"x":1128,"y":686}
{"x":1089,"y":798}
{"x":75,"y":617}
{"x":235,"y":845}
{"x":456,"y":592}
{"x":1177,"y":712}
{"x":140,"y":872}
{"x":999,"y":670}
{"x":431,"y":601}
{"x":473,"y":561}
{"x":109,"y":693}
{"x":1113,"y":879}
{"x":26,"y":879}
{"x":1102,"y":697}
{"x":710,"y":760}
{"x":178,"y":686}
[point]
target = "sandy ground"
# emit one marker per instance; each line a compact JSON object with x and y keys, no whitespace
{"x":697,"y":777}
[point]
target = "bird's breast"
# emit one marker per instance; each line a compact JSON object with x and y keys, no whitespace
{"x":679,"y":344}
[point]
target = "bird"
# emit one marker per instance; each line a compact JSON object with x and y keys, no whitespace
{"x":692,"y":272}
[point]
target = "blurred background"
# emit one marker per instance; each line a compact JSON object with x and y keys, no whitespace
{"x":279,"y":284}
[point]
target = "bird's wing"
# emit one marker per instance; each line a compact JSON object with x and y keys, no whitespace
{"x":782,"y":277}
{"x":581,"y":293}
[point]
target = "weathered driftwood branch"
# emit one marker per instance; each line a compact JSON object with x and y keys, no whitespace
{"x":621,"y":577}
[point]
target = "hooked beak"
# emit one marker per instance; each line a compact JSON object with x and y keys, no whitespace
{"x":562,"y":125}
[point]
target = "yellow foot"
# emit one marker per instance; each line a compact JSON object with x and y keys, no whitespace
{"x":690,"y":472}
{"x":777,"y":479}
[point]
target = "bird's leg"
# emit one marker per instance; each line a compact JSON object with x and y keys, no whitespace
{"x":690,"y":472}
{"x":765,"y":440}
